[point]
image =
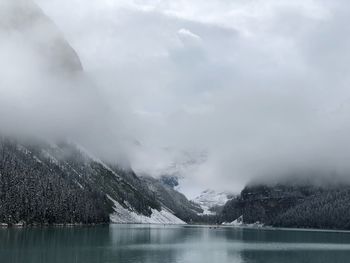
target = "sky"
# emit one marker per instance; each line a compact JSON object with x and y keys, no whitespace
{"x":224,"y":91}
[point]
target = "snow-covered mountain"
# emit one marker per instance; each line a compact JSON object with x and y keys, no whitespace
{"x":210,"y":200}
{"x":175,"y":201}
{"x":122,"y":215}
{"x":48,"y":183}
{"x":59,"y":183}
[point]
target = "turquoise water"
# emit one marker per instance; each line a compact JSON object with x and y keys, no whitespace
{"x":171,"y":244}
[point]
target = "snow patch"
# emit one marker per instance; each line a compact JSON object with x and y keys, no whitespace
{"x":122,"y":215}
{"x":209,"y":199}
{"x":239,"y":222}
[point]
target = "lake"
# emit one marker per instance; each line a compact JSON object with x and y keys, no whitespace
{"x":171,"y":244}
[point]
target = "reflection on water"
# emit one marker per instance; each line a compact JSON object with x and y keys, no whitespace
{"x":171,"y":244}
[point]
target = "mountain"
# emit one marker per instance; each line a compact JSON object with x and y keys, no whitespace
{"x":23,"y":21}
{"x":60,"y":182}
{"x":211,"y":201}
{"x":178,"y":204}
{"x":298,"y":205}
{"x":39,"y":188}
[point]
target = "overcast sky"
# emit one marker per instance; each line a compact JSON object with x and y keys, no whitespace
{"x":248,"y":87}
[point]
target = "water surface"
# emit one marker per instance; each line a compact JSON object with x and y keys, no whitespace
{"x":171,"y":244}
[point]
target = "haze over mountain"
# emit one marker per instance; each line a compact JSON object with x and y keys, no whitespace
{"x":46,"y":177}
{"x":107,"y":118}
{"x":44,"y":91}
{"x":260,"y":87}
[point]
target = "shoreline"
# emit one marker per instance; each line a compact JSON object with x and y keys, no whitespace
{"x":271,"y":228}
{"x":243,"y":227}
{"x":68,"y":225}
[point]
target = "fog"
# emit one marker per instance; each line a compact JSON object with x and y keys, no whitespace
{"x":227,"y":90}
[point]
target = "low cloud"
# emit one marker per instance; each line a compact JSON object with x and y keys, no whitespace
{"x":261,"y":87}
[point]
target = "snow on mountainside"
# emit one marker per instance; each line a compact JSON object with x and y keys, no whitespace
{"x":122,"y":215}
{"x":172,"y":199}
{"x":63,"y":184}
{"x":60,"y":183}
{"x":237,"y":222}
{"x":124,"y":211}
{"x":210,"y":199}
{"x":126,"y":214}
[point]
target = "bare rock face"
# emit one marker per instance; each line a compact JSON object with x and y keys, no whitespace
{"x":24,"y":21}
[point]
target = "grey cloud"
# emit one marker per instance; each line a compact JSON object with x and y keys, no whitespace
{"x":260,"y":86}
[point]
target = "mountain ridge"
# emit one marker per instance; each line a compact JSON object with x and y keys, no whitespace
{"x":58,"y":182}
{"x":295,"y":205}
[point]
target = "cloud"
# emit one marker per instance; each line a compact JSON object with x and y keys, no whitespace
{"x":189,"y":38}
{"x":44,"y":92}
{"x":260,"y":86}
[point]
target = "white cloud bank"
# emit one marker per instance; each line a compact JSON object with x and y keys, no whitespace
{"x":261,"y":86}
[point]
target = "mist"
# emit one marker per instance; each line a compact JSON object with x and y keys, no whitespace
{"x":244,"y":90}
{"x":44,"y":91}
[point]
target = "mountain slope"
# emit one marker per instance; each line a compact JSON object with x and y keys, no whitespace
{"x":329,"y":209}
{"x":47,"y":183}
{"x":176,"y":202}
{"x":23,"y":21}
{"x":302,"y":205}
{"x":37,"y":190}
{"x":210,"y":201}
{"x":43,"y":183}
